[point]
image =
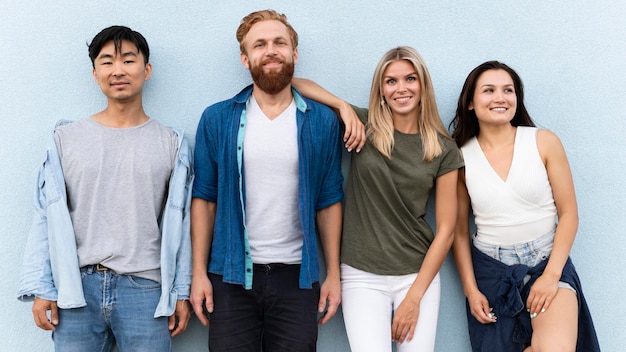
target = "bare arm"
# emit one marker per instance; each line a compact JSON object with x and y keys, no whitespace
{"x":329,"y":226}
{"x":354,"y":136}
{"x":407,"y":314}
{"x":560,"y":177}
{"x":479,"y":306}
{"x":202,"y":223}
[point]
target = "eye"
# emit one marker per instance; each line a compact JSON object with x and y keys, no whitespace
{"x":509,"y":90}
{"x":411,"y":79}
{"x":488,"y":90}
{"x":129,"y":61}
{"x":391,"y":81}
{"x":259,"y":45}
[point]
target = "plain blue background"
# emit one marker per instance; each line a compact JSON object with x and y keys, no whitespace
{"x":571,"y":56}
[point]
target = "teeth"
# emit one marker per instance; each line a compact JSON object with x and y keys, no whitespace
{"x":499,"y":109}
{"x":402,"y":100}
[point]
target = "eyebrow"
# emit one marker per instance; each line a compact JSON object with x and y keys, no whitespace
{"x":109,"y":56}
{"x":414,"y":73}
{"x":493,"y":85}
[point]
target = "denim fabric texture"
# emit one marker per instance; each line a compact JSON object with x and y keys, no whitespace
{"x":276,"y":314}
{"x":50,"y":268}
{"x":507,"y":290}
{"x":529,"y":253}
{"x":119,"y":308}
{"x":220,"y":176}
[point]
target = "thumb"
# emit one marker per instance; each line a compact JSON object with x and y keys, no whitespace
{"x":54,"y":313}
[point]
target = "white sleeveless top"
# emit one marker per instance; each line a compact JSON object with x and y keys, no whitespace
{"x":517,"y":210}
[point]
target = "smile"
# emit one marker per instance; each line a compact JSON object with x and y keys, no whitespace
{"x":402,"y":100}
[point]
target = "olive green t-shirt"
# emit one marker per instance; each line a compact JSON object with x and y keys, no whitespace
{"x":384,"y":230}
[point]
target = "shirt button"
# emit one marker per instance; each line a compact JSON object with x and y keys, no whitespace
{"x":248,"y":270}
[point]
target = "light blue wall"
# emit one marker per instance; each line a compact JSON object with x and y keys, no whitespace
{"x":571,"y":55}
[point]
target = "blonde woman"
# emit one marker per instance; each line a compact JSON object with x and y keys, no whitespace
{"x":390,"y":256}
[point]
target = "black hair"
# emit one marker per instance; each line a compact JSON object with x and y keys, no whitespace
{"x":465,"y":123}
{"x":117,"y":34}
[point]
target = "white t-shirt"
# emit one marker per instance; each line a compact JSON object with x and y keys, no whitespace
{"x":270,"y":158}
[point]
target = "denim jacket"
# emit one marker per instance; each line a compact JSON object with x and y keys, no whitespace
{"x":220,"y":176}
{"x":504,"y":287}
{"x":50,"y":268}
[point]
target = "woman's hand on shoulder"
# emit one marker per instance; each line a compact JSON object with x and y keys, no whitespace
{"x":354,"y":136}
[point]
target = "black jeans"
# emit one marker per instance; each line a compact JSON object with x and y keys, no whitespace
{"x":276,"y":315}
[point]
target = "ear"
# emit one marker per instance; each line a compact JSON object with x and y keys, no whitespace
{"x":470,"y":107}
{"x":148,"y":71}
{"x":95,"y":75}
{"x":244,"y":60}
{"x":295,"y":56}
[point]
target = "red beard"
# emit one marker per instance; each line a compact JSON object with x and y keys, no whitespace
{"x":273,"y":81}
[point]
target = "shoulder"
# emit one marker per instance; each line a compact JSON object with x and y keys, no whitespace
{"x":319,"y":114}
{"x":226,"y":106}
{"x":549,"y":145}
{"x":71,"y":126}
{"x":547,"y":140}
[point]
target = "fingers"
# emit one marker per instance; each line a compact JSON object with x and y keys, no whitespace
{"x":480,"y":309}
{"x":539,"y":301}
{"x":354,"y":137}
{"x":402,"y":331}
{"x":201,"y":298}
{"x":40,"y":313}
{"x":330,"y":312}
{"x":199,"y":310}
{"x":180,"y":319}
{"x":330,"y":298}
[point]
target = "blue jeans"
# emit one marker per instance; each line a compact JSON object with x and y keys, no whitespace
{"x":120,"y":309}
{"x":275,"y":315}
{"x":528,"y":253}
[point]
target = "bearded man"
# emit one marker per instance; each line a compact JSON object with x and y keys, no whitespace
{"x":268,"y":178}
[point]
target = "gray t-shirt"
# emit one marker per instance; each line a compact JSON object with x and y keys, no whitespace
{"x":384,"y":230}
{"x":117,"y":182}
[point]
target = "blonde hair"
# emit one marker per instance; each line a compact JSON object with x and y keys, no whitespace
{"x":259,"y":16}
{"x":380,"y":127}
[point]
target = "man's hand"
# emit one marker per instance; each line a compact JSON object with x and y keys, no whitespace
{"x":201,"y":297}
{"x":177,"y":322}
{"x":330,"y":297}
{"x":40,"y":313}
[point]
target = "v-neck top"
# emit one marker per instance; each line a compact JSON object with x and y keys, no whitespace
{"x":516,"y":210}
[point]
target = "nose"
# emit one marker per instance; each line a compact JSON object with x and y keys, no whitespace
{"x":498,"y":96}
{"x":401,"y":86}
{"x":118,"y":68}
{"x":271,"y":48}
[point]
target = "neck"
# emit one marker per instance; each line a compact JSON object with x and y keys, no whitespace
{"x":273,"y":105}
{"x":496,"y":136}
{"x":119,"y":115}
{"x":405,"y":123}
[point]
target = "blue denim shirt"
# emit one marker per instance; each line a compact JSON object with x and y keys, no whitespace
{"x":504,"y":287}
{"x":220,"y":176}
{"x":50,"y":268}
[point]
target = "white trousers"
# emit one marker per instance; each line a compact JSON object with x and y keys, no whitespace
{"x":368,"y":302}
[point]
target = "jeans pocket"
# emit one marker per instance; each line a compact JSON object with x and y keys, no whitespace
{"x":140,"y":282}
